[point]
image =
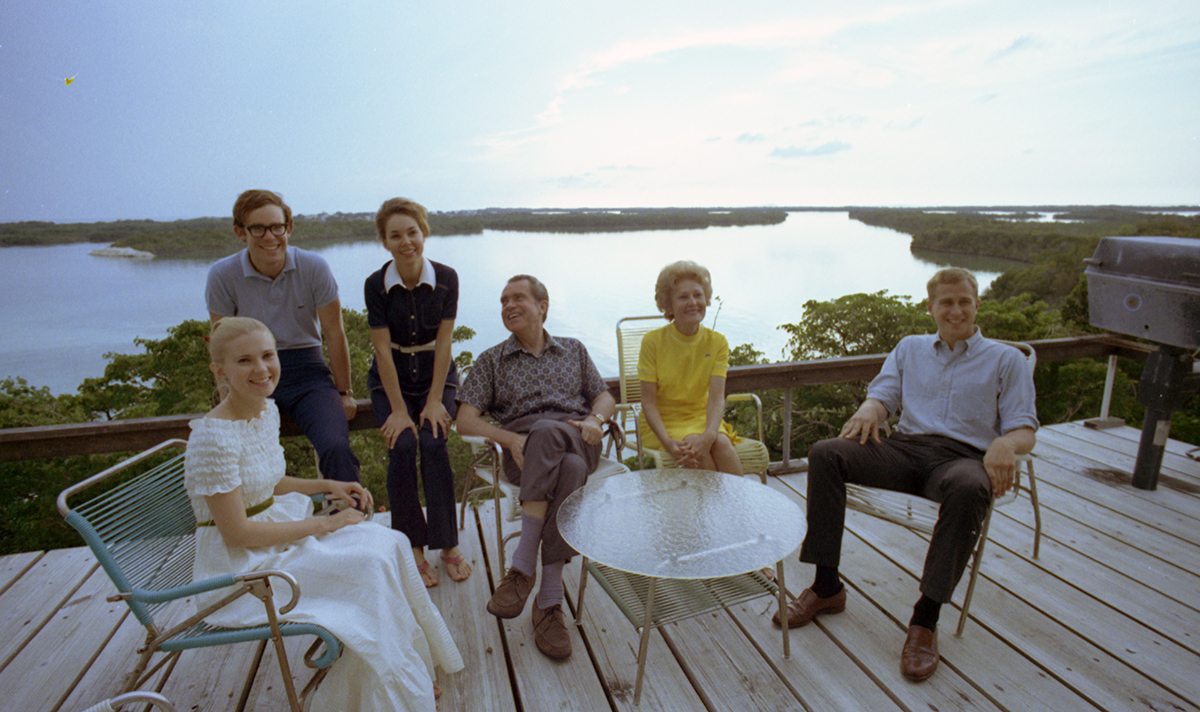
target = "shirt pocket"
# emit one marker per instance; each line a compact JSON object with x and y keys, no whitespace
{"x":429,"y":311}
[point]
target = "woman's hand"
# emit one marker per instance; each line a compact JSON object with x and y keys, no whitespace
{"x":352,"y":493}
{"x":345,"y":518}
{"x":438,"y":417}
{"x":395,"y":425}
{"x":685,"y":455}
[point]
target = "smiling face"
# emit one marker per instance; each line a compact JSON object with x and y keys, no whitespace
{"x":250,"y":365}
{"x":688,"y":305}
{"x":403,"y":238}
{"x":521,"y":311}
{"x":268,"y":253}
{"x":953,"y":308}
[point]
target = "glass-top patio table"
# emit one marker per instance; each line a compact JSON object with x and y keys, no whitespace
{"x":674,"y":543}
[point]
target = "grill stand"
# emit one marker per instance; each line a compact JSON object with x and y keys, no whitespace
{"x":1168,"y":380}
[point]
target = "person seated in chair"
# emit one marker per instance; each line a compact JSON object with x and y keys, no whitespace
{"x":966,"y":409}
{"x":682,"y":367}
{"x":551,"y":404}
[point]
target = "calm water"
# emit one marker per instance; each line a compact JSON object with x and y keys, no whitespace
{"x":64,"y":309}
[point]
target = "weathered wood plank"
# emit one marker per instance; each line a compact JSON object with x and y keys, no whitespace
{"x":612,"y":642}
{"x":540,"y":683}
{"x":484,"y":683}
{"x":66,"y":646}
{"x":38,"y":594}
{"x":1094,"y":622}
{"x":12,"y":567}
{"x":1157,"y":512}
{"x":1179,"y":472}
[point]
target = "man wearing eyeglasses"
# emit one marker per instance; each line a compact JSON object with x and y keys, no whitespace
{"x":293,"y":292}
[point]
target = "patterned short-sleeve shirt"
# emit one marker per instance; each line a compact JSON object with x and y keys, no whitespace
{"x":507,"y":382}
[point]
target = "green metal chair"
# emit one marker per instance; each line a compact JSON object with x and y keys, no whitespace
{"x":753,"y":454}
{"x":142,"y":532}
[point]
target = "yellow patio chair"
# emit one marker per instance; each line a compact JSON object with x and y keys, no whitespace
{"x":753,"y":453}
{"x":486,"y":461}
{"x":920,"y":514}
{"x":142,"y":532}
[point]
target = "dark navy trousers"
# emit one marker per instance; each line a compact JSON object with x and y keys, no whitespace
{"x":307,"y":395}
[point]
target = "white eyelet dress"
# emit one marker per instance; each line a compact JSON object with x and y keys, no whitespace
{"x":360,"y":582}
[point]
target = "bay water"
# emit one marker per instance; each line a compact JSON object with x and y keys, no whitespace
{"x":65,"y":308}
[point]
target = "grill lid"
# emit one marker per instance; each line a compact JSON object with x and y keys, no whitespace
{"x":1163,"y":259}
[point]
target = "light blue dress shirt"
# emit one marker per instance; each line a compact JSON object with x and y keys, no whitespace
{"x":973,"y":393}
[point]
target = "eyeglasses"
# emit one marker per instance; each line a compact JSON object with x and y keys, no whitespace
{"x":277,"y":229}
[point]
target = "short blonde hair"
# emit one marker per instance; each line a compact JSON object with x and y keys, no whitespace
{"x":673,"y":274}
{"x":951,"y":275}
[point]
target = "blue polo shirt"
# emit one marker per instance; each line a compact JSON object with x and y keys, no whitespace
{"x":287,"y":304}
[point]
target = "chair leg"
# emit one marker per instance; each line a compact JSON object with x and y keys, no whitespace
{"x":976,"y":560}
{"x":1037,"y":511}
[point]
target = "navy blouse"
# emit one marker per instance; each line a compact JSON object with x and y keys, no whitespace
{"x":412,"y":318}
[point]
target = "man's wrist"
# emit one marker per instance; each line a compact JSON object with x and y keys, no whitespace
{"x":599,"y":418}
{"x":347,"y":392}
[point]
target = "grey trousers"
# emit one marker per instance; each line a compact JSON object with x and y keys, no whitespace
{"x":557,"y":462}
{"x":932,"y":466}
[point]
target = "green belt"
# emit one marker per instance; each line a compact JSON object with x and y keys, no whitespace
{"x":260,"y":507}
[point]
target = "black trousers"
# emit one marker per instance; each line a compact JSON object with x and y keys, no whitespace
{"x":932,"y":466}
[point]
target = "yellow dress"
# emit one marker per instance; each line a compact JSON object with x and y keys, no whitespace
{"x":682,"y":366}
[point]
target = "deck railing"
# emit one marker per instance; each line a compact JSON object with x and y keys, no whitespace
{"x":141,"y":433}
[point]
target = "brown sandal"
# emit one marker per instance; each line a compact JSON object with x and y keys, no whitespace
{"x":428,"y":575}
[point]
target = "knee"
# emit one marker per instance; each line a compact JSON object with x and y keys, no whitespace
{"x":971,"y":488}
{"x":405,"y":446}
{"x":573,"y":472}
{"x":432,"y":444}
{"x":550,"y":432}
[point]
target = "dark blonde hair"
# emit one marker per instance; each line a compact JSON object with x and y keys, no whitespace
{"x":252,"y":200}
{"x":229,"y":328}
{"x":674,"y":273}
{"x":951,"y":275}
{"x":401,"y":206}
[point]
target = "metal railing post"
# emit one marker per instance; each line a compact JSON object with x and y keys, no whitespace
{"x":786,"y":446}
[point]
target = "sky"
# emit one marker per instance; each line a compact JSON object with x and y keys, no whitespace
{"x":175,"y":108}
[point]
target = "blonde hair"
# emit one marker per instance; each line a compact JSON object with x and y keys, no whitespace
{"x":673,"y":274}
{"x":225,"y":332}
{"x":951,"y":275}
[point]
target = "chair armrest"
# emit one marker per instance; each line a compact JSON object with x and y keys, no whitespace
{"x":165,"y":595}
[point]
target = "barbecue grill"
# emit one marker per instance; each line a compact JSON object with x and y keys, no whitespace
{"x":1149,"y":288}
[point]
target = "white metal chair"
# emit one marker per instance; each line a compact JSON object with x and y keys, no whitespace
{"x":142,"y":533}
{"x":753,"y":454}
{"x":487,"y":458}
{"x":153,"y":699}
{"x":920,"y":514}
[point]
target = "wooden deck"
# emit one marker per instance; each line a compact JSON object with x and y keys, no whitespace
{"x":1107,"y":618}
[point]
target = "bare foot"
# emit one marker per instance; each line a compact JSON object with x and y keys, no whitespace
{"x":456,"y":565}
{"x":428,"y":574}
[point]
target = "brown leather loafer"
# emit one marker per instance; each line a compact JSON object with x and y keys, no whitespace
{"x":550,"y":632}
{"x":509,"y":599}
{"x":803,"y":609}
{"x":919,"y":658}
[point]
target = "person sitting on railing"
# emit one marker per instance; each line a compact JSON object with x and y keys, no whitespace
{"x":682,"y":368}
{"x":357,"y":579}
{"x":411,"y":305}
{"x":967,"y":409}
{"x":294,"y":293}
{"x":550,"y":402}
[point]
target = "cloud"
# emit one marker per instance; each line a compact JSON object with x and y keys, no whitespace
{"x":824,"y":149}
{"x":1021,"y":44}
{"x":751,"y":138}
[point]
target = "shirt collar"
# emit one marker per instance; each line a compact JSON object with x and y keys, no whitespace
{"x":512,"y":345}
{"x":969,"y":343}
{"x":289,"y":263}
{"x":391,"y":276}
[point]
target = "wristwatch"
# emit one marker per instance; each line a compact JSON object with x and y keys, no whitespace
{"x":347,"y":392}
{"x":599,"y":417}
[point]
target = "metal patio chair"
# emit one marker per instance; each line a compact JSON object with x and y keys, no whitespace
{"x":129,"y":699}
{"x":753,"y":453}
{"x":142,"y":532}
